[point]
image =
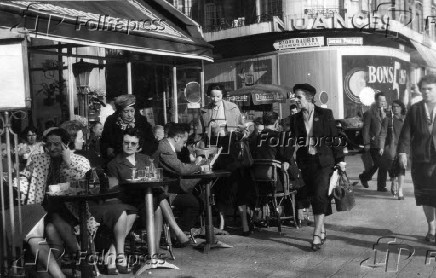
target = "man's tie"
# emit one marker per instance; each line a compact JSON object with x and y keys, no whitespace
{"x":433,"y":134}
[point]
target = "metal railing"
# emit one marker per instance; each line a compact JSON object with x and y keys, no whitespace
{"x":225,"y":23}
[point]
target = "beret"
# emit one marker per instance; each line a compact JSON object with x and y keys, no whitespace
{"x":124,"y":101}
{"x":305,"y":87}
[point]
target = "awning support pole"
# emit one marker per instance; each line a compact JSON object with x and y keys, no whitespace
{"x":129,"y":77}
{"x":176,"y":110}
{"x":202,"y":84}
{"x":71,"y":83}
{"x":278,"y":82}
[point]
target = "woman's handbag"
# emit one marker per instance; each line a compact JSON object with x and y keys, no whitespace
{"x":343,"y":193}
{"x":295,"y":176}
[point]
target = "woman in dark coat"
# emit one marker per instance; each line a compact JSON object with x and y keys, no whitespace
{"x":124,"y":117}
{"x":316,"y":159}
{"x":418,"y":138}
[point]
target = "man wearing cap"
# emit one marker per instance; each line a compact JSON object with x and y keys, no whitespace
{"x":318,"y":151}
{"x":125,"y":116}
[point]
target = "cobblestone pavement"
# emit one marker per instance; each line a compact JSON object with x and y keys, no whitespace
{"x":348,"y":251}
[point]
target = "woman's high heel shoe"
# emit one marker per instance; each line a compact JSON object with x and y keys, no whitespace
{"x":325,"y":237}
{"x":316,"y":246}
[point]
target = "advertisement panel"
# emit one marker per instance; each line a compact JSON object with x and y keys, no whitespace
{"x":380,"y":73}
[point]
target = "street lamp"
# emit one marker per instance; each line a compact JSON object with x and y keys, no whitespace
{"x":82,"y":71}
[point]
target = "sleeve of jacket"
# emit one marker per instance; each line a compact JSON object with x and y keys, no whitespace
{"x":173,"y":164}
{"x":337,"y":147}
{"x":404,"y":140}
{"x":149,"y":147}
{"x":366,"y":127}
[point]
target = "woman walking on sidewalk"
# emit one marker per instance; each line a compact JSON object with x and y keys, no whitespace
{"x":418,"y":138}
{"x":316,"y":161}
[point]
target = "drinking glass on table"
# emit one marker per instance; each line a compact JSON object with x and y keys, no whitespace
{"x":141,"y":175}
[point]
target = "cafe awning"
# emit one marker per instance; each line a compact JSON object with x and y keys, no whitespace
{"x":145,"y":26}
{"x":424,"y":54}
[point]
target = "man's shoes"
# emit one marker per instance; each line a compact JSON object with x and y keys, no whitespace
{"x":384,"y":189}
{"x":363,"y":182}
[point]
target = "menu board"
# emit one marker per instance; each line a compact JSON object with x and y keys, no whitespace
{"x":14,"y":76}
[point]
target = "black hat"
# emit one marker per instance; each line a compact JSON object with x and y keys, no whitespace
{"x":305,"y":87}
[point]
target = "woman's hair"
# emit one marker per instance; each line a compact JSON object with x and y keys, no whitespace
{"x":65,"y":136}
{"x":26,"y":130}
{"x":134,"y":132}
{"x":217,"y":87}
{"x":72,"y":127}
{"x":401,"y":104}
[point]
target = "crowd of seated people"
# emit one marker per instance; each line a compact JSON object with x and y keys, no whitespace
{"x":128,"y":141}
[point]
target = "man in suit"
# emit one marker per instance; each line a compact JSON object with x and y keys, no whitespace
{"x":173,"y":167}
{"x":374,"y":134}
{"x":418,"y":138}
{"x":319,"y":149}
{"x":220,"y":114}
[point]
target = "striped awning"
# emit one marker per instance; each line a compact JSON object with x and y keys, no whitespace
{"x":145,"y":26}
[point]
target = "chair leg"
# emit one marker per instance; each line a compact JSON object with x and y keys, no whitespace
{"x":276,"y":209}
{"x":166,"y":230}
{"x":294,"y":209}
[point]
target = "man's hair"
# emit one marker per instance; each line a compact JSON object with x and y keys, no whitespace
{"x":156,"y":128}
{"x":65,"y":136}
{"x":270,"y":118}
{"x":72,"y":127}
{"x":178,"y":130}
{"x":379,"y":94}
{"x":293,"y":106}
{"x":429,"y":79}
{"x":217,"y":87}
{"x":134,"y":132}
{"x":258,"y":121}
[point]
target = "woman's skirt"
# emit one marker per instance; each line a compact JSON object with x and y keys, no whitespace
{"x":424,"y":182}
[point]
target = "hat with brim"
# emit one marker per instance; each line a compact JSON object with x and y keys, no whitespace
{"x":305,"y":87}
{"x":124,"y":101}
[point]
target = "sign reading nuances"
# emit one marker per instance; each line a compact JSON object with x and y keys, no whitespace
{"x":299,"y":43}
{"x":14,"y":81}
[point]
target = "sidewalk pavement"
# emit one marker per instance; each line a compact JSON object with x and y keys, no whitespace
{"x":348,"y":251}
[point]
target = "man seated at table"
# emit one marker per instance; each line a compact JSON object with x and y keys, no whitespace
{"x":269,"y":143}
{"x":181,"y":196}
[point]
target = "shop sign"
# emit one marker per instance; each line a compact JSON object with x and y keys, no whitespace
{"x":270,"y":97}
{"x":344,"y":41}
{"x":299,"y":43}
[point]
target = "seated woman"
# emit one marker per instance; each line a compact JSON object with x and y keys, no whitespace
{"x":121,"y":168}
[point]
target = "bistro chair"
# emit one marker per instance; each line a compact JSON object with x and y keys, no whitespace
{"x":267,"y":176}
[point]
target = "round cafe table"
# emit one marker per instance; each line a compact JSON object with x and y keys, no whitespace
{"x":147,"y":187}
{"x":86,"y":269}
{"x":211,"y":178}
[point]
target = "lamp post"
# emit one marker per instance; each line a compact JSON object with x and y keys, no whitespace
{"x":82,"y":71}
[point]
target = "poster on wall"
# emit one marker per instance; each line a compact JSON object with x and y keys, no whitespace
{"x":380,"y":73}
{"x":14,"y":81}
{"x":253,"y":72}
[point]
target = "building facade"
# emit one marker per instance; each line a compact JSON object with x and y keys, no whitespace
{"x":347,"y":49}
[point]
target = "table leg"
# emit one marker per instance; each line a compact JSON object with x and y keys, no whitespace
{"x":211,"y":241}
{"x":152,"y":260}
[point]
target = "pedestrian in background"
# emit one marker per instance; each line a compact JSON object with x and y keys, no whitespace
{"x":374,"y":132}
{"x":390,"y":159}
{"x":418,"y":139}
